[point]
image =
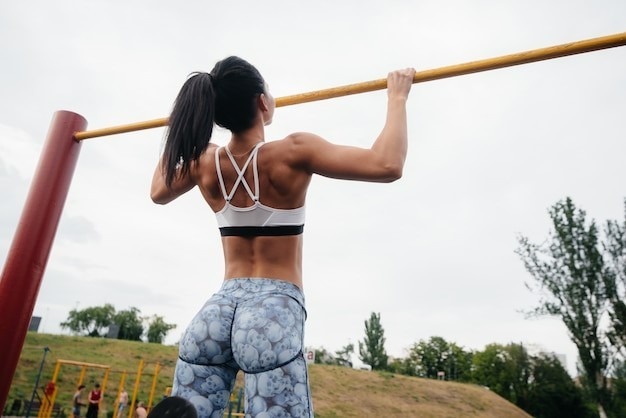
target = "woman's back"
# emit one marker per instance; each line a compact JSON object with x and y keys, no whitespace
{"x":282,"y":186}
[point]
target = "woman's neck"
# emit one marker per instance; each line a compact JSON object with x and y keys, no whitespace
{"x":243,"y":141}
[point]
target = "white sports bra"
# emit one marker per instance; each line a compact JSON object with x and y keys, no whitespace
{"x":258,"y":219}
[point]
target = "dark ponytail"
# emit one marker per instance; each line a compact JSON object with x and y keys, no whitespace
{"x":227,"y":97}
{"x":190,"y":125}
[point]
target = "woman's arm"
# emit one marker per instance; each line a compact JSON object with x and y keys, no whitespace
{"x":383,"y":162}
{"x":161,"y":194}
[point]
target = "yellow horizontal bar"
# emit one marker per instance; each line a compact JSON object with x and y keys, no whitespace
{"x":80,"y":363}
{"x":120,"y":129}
{"x":526,"y":57}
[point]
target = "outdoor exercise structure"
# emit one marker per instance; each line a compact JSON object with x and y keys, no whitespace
{"x":47,"y":404}
{"x":28,"y":255}
{"x":62,"y":381}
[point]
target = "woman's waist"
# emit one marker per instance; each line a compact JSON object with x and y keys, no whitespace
{"x":291,"y":272}
{"x":263,"y":256}
{"x":244,"y":287}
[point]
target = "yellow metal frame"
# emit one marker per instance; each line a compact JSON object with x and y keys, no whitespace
{"x":45,"y":411}
{"x":135,"y":388}
{"x":119,"y":391}
{"x":157,"y":368}
{"x":121,"y":385}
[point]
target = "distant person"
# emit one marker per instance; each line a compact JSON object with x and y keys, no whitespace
{"x":122,"y":402}
{"x":77,"y":401}
{"x":140,"y":411}
{"x":94,"y":401}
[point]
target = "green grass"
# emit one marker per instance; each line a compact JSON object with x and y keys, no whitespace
{"x":338,"y":392}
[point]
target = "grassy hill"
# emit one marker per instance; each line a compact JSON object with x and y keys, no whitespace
{"x":337,"y":391}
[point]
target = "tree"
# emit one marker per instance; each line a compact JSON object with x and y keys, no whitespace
{"x":158,"y":329}
{"x":538,"y":384}
{"x":406,"y":366}
{"x":372,"y":348}
{"x":552,"y":393}
{"x":615,"y":281}
{"x":430,"y":356}
{"x":490,"y":369}
{"x":90,"y":321}
{"x":129,"y":323}
{"x":460,"y":363}
{"x":518,"y":369}
{"x":438,"y":355}
{"x":322,"y":356}
{"x":343,"y":356}
{"x":618,"y":407}
{"x":572,"y":277}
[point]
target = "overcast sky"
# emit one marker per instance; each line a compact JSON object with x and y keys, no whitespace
{"x":433,"y":253}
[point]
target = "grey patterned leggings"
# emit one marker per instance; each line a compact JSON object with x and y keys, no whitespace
{"x":254,"y":325}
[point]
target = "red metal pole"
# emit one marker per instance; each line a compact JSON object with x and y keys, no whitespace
{"x":28,"y":255}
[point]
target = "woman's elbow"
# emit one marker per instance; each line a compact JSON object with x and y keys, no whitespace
{"x":393,"y":172}
{"x":397,"y":174}
{"x":158,"y":188}
{"x":159,"y":197}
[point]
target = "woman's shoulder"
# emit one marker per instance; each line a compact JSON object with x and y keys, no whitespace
{"x":210,"y":149}
{"x":207,"y":157}
{"x":295,"y":142}
{"x":301,"y":136}
{"x":295,"y":150}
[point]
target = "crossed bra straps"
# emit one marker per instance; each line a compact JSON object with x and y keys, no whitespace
{"x":258,"y":219}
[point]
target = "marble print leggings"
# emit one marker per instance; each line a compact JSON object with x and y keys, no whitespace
{"x":255,"y":325}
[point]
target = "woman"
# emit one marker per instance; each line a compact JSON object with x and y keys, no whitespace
{"x":257,"y":191}
{"x":94,"y":401}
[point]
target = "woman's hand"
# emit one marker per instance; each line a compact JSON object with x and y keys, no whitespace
{"x":399,"y":83}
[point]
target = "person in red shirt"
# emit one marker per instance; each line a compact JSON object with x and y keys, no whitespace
{"x":94,"y":402}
